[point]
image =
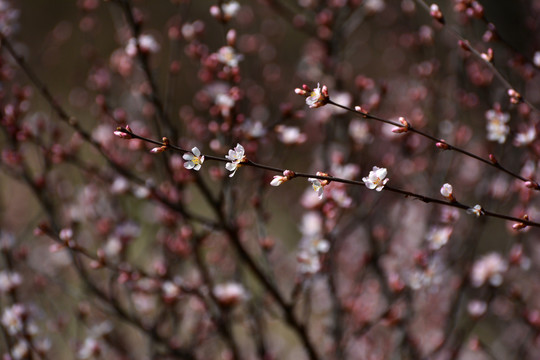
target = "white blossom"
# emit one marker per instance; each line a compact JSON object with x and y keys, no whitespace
{"x":147,"y":44}
{"x":317,"y":186}
{"x":236,"y":157}
{"x":376,"y":179}
{"x":194,"y":160}
{"x":12,"y":318}
{"x":447,"y":191}
{"x":228,"y":56}
{"x":497,"y":128}
{"x":525,"y":138}
{"x":9,"y":281}
{"x":489,"y":268}
{"x":476,"y":210}
{"x":318,"y":97}
{"x":290,"y":135}
{"x":230,"y":293}
{"x":438,"y":237}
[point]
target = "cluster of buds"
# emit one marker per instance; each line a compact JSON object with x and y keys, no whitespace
{"x":162,"y":148}
{"x":125,"y":134}
{"x":225,"y":11}
{"x":470,"y":8}
{"x":491,"y":33}
{"x":515,"y":97}
{"x":279,"y":179}
{"x":488,"y":55}
{"x":436,"y":13}
{"x":314,"y":98}
{"x":405,"y":126}
{"x":520,"y":226}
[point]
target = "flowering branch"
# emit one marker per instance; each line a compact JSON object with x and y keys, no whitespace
{"x":142,"y":57}
{"x":515,"y":97}
{"x":405,"y":126}
{"x":328,"y":178}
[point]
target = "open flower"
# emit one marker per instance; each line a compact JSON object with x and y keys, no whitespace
{"x":318,"y":97}
{"x":194,"y":160}
{"x":237,"y":157}
{"x":525,"y":138}
{"x":227,"y":12}
{"x":476,"y":210}
{"x":147,"y":44}
{"x":228,"y":56}
{"x":497,"y":128}
{"x":314,"y":98}
{"x":376,"y":179}
{"x":438,"y":236}
{"x":490,"y":268}
{"x":319,"y":184}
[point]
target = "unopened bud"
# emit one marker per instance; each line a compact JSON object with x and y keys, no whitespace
{"x":402,"y":129}
{"x":289,"y":174}
{"x":493,"y":159}
{"x":464,"y":44}
{"x":436,"y":13}
{"x":488,"y":56}
{"x":158,"y":149}
{"x":121,"y":133}
{"x":532,"y":185}
{"x":519,"y":226}
{"x":231,"y":37}
{"x":442,"y":145}
{"x":324,"y":182}
{"x":515,"y":97}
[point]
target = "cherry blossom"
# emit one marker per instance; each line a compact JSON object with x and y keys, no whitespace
{"x":448,"y":192}
{"x":438,"y":237}
{"x":476,"y":210}
{"x":497,"y":127}
{"x":525,"y":138}
{"x":314,"y":98}
{"x":489,"y":268}
{"x":376,"y":179}
{"x":230,"y":294}
{"x":228,"y":56}
{"x":194,"y":160}
{"x":237,"y":157}
{"x":147,"y":44}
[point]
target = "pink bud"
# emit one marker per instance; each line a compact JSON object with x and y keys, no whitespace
{"x":231,"y":37}
{"x":519,"y":226}
{"x":436,"y":13}
{"x":488,"y":57}
{"x":442,"y":145}
{"x":158,"y":149}
{"x":121,"y":133}
{"x":532,"y":185}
